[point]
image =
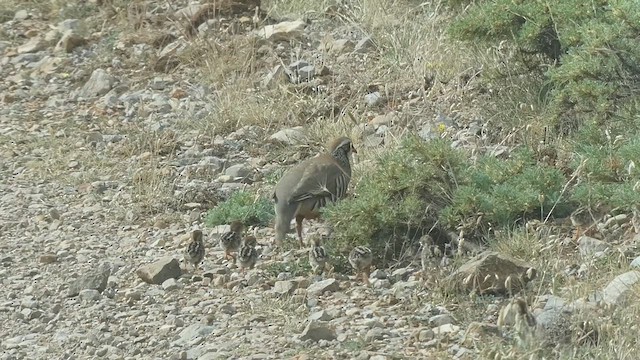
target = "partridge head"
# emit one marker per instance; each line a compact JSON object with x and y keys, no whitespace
{"x":194,"y":253}
{"x":231,"y":240}
{"x":312,"y":184}
{"x":361,"y":259}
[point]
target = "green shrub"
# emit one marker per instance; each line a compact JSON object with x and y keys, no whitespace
{"x":390,"y":205}
{"x":609,"y":176}
{"x":591,"y":49}
{"x":248,"y":207}
{"x":428,"y":186}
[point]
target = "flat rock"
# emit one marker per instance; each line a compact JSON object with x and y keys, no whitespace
{"x":160,"y":271}
{"x":98,"y":84}
{"x":445,"y":329}
{"x":291,"y":136}
{"x":238,"y":171}
{"x":321,"y":315}
{"x":441,"y":319}
{"x":621,"y":289}
{"x":170,"y":284}
{"x":316,"y":331}
{"x":95,"y":279}
{"x":284,"y":287}
{"x":21,"y":15}
{"x":589,"y":246}
{"x":492,"y":272}
{"x":34,"y":44}
{"x":90,"y":295}
{"x":554,"y":326}
{"x":195,"y":330}
{"x":374,"y":98}
{"x":320,"y":287}
{"x":284,"y":31}
{"x":48,"y":258}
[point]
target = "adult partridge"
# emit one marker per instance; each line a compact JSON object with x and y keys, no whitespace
{"x":312,"y":184}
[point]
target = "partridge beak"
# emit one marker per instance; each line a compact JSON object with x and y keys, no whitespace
{"x":353,"y":150}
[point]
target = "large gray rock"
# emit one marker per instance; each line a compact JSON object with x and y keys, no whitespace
{"x":95,"y":280}
{"x":34,"y":44}
{"x":284,"y":287}
{"x":589,"y":246}
{"x":492,"y":272}
{"x":621,"y":289}
{"x":320,"y":287}
{"x":238,"y":171}
{"x":292,"y":136}
{"x":284,"y":31}
{"x":98,"y":84}
{"x":160,"y":271}
{"x":318,"y":330}
{"x":191,"y":333}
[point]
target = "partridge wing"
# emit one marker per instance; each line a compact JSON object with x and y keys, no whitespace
{"x":320,"y":180}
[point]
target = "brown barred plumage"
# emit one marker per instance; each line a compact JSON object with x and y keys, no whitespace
{"x":312,"y":184}
{"x":195,"y":250}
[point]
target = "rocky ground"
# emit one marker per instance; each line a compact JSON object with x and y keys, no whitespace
{"x":119,"y":130}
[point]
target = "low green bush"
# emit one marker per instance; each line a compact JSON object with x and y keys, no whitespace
{"x":426,"y":187}
{"x":250,"y":208}
{"x":588,"y":51}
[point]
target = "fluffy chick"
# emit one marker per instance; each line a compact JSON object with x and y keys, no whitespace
{"x":248,"y":253}
{"x":231,"y":240}
{"x":360,"y":259}
{"x":194,"y":253}
{"x":317,"y":256}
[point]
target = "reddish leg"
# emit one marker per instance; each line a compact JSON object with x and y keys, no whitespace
{"x":365,"y":274}
{"x":228,"y":255}
{"x":578,"y":234}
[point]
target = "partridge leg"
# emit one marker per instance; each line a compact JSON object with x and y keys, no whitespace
{"x":365,"y":274}
{"x":299,"y":220}
{"x":578,"y":233}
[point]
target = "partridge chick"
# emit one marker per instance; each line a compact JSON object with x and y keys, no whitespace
{"x":317,"y":256}
{"x":310,"y":185}
{"x":360,"y":259}
{"x":248,"y":254}
{"x":429,"y":252}
{"x":231,"y":240}
{"x":195,"y":250}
